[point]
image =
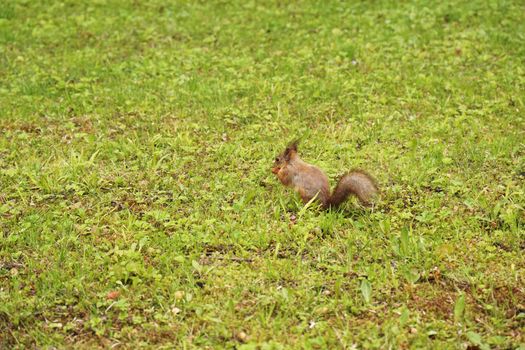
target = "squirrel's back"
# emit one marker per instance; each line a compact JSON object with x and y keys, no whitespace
{"x":309,"y":181}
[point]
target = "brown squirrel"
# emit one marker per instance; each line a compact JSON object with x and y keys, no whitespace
{"x":311,"y":182}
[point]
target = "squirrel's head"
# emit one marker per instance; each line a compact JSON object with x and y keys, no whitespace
{"x":282,"y":159}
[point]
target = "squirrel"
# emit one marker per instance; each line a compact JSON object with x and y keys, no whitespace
{"x":311,"y":182}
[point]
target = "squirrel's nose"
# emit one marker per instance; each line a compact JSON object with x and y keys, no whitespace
{"x":275,"y":170}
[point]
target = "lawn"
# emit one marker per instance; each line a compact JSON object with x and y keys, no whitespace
{"x":137,"y":206}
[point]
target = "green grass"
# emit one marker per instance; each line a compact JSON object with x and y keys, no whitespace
{"x":137,"y":206}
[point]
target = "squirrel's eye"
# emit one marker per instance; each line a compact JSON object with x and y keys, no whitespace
{"x":277,"y":159}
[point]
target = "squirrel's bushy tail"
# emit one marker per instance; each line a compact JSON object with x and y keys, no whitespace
{"x":355,"y":182}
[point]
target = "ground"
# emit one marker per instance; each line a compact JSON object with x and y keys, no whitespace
{"x":137,"y":206}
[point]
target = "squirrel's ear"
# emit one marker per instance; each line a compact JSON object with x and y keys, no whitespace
{"x":292,"y":147}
